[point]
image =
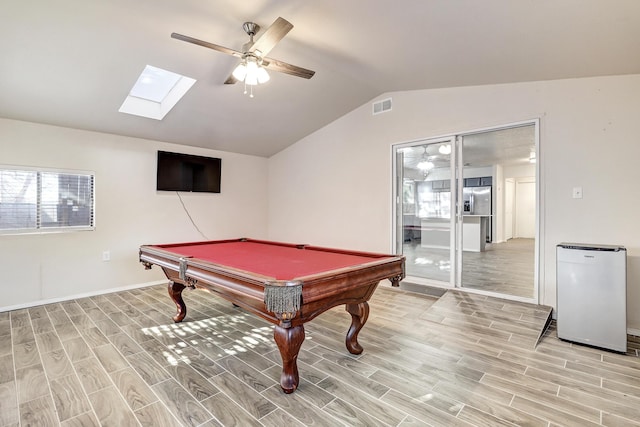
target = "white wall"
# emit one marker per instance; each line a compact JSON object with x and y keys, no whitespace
{"x":520,"y":171}
{"x":129,"y":212}
{"x":334,"y":186}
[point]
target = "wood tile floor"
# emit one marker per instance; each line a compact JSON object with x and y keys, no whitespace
{"x":461,"y":360}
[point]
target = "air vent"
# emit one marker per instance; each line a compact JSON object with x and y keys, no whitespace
{"x":382,"y":106}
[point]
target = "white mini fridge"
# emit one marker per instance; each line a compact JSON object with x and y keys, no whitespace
{"x":592,"y":295}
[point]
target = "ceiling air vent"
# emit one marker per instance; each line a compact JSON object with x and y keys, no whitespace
{"x":382,"y":106}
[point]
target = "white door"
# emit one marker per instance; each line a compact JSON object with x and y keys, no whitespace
{"x":509,"y":199}
{"x":526,"y":208}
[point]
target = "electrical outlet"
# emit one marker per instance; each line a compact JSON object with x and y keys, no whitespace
{"x":106,"y":256}
{"x":577,"y":192}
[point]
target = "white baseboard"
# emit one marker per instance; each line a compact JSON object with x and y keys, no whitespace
{"x":633,"y":331}
{"x":77,"y":296}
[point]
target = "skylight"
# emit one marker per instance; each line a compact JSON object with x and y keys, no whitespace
{"x":155,"y":93}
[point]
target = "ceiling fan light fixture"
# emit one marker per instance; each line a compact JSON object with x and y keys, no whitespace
{"x":251,"y":72}
{"x":240,"y":72}
{"x":251,"y":78}
{"x":263,"y":76}
{"x":425,"y":165}
{"x":252,"y":64}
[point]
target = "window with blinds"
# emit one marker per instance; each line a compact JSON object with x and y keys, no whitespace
{"x":42,"y":200}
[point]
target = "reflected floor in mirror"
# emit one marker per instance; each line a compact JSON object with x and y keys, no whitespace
{"x":506,"y":268}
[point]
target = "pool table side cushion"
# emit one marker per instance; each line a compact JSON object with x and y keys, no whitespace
{"x":278,"y":260}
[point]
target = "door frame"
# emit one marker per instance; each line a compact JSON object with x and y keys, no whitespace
{"x":456,"y":160}
{"x":509,"y":201}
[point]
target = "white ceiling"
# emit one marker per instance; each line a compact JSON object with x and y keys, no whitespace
{"x":72,"y":62}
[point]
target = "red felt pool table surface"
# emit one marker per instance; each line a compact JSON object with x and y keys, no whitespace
{"x":277,"y":260}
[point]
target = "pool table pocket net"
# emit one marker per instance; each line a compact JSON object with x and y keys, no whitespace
{"x":283,"y":297}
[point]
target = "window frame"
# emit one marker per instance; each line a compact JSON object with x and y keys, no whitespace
{"x":39,"y":228}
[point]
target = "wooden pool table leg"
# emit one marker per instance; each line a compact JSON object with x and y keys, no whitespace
{"x":175,"y":292}
{"x":359,"y":315}
{"x":289,"y":341}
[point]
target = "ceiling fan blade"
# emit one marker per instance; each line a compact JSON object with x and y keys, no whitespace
{"x":207,"y":44}
{"x":282,"y":67}
{"x":272,"y":36}
{"x":231,"y":80}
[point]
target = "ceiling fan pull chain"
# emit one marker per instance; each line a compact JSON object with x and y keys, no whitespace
{"x":250,"y":89}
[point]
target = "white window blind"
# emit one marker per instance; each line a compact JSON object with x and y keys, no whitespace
{"x":43,"y":200}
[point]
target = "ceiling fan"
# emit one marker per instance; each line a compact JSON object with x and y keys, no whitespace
{"x":253,"y":55}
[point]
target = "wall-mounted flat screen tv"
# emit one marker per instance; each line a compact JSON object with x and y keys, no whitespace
{"x":186,"y":172}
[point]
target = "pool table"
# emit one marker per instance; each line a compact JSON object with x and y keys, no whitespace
{"x":286,"y":284}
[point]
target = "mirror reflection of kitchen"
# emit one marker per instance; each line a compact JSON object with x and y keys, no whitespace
{"x":498,"y":202}
{"x":426,"y":219}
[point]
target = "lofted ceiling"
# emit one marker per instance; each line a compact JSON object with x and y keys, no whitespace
{"x":72,"y":62}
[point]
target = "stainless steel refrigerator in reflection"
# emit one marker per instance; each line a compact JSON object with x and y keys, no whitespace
{"x":477,"y":201}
